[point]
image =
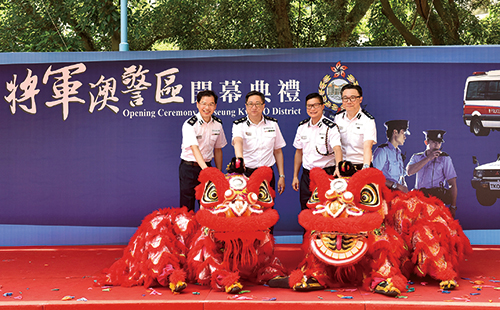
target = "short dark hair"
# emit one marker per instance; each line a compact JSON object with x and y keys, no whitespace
{"x":255,"y":93}
{"x":314,"y":95}
{"x":390,"y":131}
{"x":206,"y":93}
{"x":352,"y":86}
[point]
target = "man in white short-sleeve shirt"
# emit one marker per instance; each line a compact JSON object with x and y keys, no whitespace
{"x":202,"y":140}
{"x":358,"y":131}
{"x":317,"y":144}
{"x":258,"y":140}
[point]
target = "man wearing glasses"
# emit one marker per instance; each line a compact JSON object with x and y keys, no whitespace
{"x":258,"y":140}
{"x":317,"y":144}
{"x":202,"y":140}
{"x":358,"y":132}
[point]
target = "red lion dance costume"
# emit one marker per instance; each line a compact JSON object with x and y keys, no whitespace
{"x":359,"y":231}
{"x":226,"y":240}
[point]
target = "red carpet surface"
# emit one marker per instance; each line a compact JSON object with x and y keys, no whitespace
{"x":40,"y":277}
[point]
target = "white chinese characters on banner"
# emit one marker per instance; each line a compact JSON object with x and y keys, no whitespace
{"x":230,"y":91}
{"x":103,"y":93}
{"x":106,"y":93}
{"x":64,"y":90}
{"x":28,"y":86}
{"x":135,"y":80}
{"x":262,"y":87}
{"x":289,"y":91}
{"x":168,"y":93}
{"x":198,"y":86}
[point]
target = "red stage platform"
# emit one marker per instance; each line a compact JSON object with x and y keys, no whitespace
{"x":40,"y":277}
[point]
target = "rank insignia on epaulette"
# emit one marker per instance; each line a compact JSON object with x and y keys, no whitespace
{"x":215,"y":118}
{"x":304,"y":121}
{"x":192,"y":120}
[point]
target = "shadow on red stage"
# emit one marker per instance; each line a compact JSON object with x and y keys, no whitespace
{"x":40,"y":277}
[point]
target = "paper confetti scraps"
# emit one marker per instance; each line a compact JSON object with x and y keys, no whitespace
{"x":82,"y":299}
{"x":238,"y":297}
{"x":68,"y":298}
{"x":152,"y":291}
{"x":344,"y":297}
{"x":268,"y":298}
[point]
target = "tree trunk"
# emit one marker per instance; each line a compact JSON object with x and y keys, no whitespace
{"x":409,"y":38}
{"x":280,"y":10}
{"x":340,"y":35}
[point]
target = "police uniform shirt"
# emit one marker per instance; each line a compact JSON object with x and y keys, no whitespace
{"x":311,"y":139}
{"x":354,"y":132}
{"x":259,"y":140}
{"x":207,"y":136}
{"x":437,"y":171}
{"x":388,"y":159}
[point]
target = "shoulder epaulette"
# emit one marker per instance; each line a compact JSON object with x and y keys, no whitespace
{"x":215,"y":118}
{"x":304,"y":121}
{"x":269,"y":118}
{"x":367,"y":114}
{"x":340,"y":112}
{"x":383,"y":145}
{"x":444,"y":154}
{"x":328,"y":122}
{"x":421,"y":153}
{"x":241,"y":120}
{"x":192,"y":120}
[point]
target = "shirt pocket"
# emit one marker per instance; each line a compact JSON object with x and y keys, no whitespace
{"x":358,"y":128}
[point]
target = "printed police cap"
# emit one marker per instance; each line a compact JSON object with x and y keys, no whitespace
{"x":398,"y":124}
{"x":434,"y":135}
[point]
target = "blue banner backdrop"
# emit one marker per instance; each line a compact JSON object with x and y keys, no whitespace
{"x":93,"y":139}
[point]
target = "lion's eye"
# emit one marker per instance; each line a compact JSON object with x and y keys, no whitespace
{"x":314,"y":197}
{"x":264,"y":195}
{"x":369,"y":196}
{"x":210,"y":193}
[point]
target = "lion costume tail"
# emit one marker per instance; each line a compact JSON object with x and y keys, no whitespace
{"x":156,"y":253}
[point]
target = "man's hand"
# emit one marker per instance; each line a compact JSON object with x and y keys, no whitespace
{"x":295,"y":184}
{"x":281,"y":185}
{"x":434,"y":154}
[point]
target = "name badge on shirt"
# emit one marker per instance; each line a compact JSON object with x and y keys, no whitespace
{"x":248,"y":134}
{"x":215,"y":132}
{"x":304,"y":138}
{"x":269,"y":129}
{"x":358,"y":127}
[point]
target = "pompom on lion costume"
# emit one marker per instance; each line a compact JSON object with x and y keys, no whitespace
{"x":360,"y":232}
{"x":226,"y":240}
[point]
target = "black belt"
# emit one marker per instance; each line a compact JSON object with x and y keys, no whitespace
{"x":330,"y":170}
{"x":251,"y":170}
{"x":193,"y":163}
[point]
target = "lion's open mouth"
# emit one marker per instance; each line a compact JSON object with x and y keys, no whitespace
{"x":339,"y":249}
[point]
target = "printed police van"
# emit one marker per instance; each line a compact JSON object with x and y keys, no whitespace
{"x":482,"y":102}
{"x":486,"y":181}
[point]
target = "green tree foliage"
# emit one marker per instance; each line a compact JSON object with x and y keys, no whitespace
{"x":429,"y":22}
{"x":94,"y":25}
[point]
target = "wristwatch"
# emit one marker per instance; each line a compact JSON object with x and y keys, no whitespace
{"x":282,"y":175}
{"x":394,"y":185}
